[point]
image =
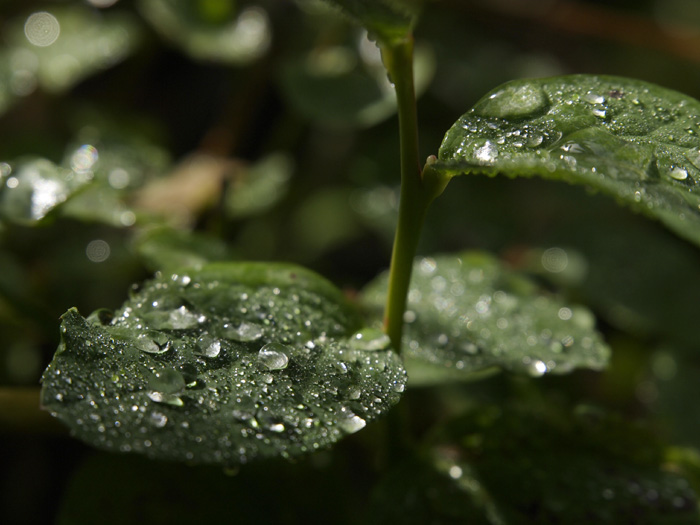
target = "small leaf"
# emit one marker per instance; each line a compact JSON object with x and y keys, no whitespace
{"x":468,"y":316}
{"x":347,"y":85}
{"x":221,"y":365}
{"x":386,"y":20}
{"x":636,"y":141}
{"x":213,"y":31}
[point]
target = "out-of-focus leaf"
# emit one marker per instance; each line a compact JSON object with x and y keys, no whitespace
{"x":261,"y":186}
{"x":386,"y":20}
{"x":33,"y":189}
{"x":636,"y":141}
{"x":468,"y":316}
{"x":222,"y":365}
{"x":212,"y":31}
{"x":165,"y":249}
{"x":348,"y":85}
{"x":513,"y":465}
{"x":58,"y":48}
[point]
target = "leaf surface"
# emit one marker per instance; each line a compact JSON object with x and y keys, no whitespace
{"x":630,"y":139}
{"x":468,"y":315}
{"x":222,"y":365}
{"x":212,"y":31}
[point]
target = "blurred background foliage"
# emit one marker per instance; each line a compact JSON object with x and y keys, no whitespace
{"x":138,"y":136}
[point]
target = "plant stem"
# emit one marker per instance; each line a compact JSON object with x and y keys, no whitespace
{"x":414,"y":201}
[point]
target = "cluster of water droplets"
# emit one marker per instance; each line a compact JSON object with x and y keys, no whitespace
{"x":215,"y":371}
{"x":638,"y":142}
{"x":469,"y":314}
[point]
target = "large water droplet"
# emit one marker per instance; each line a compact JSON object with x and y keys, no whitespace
{"x":158,"y":419}
{"x":678,"y":173}
{"x":182,"y":319}
{"x":244,"y":332}
{"x":351,"y":423}
{"x":486,"y":153}
{"x":274,"y":356}
{"x":370,"y":339}
{"x":513,"y":101}
{"x":537,"y":368}
{"x":166,"y":381}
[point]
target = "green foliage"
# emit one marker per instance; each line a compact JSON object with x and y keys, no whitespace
{"x":222,"y":365}
{"x":630,"y":139}
{"x":168,"y":143}
{"x":468,"y":315}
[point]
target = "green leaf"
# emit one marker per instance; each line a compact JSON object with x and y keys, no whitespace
{"x":468,"y":316}
{"x":386,"y":20}
{"x":348,"y":85}
{"x":33,"y":189}
{"x":627,"y":138}
{"x":212,"y":31}
{"x":222,"y":365}
{"x":515,"y":465}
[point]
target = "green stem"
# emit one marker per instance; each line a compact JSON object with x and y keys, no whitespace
{"x":414,"y":200}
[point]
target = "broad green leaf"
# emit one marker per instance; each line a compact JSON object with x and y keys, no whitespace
{"x":468,"y":316}
{"x":60,"y":47}
{"x":514,"y":465}
{"x":348,"y":85}
{"x":627,"y":138}
{"x":386,"y":20}
{"x":222,"y":365}
{"x":165,"y":249}
{"x":213,"y":31}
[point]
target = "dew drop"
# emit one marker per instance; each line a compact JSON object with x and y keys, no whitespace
{"x":370,"y":339}
{"x":182,"y":319}
{"x":167,"y":399}
{"x":273,"y":356}
{"x":158,"y":420}
{"x":352,"y":423}
{"x":486,"y":153}
{"x":244,"y":332}
{"x":678,"y":173}
{"x":592,"y":98}
{"x":537,"y":368}
{"x":513,"y":101}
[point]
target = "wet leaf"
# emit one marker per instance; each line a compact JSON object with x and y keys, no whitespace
{"x":627,"y":138}
{"x":31,"y":190}
{"x":386,"y":20}
{"x":468,"y":316}
{"x":213,"y":31}
{"x":221,"y":365}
